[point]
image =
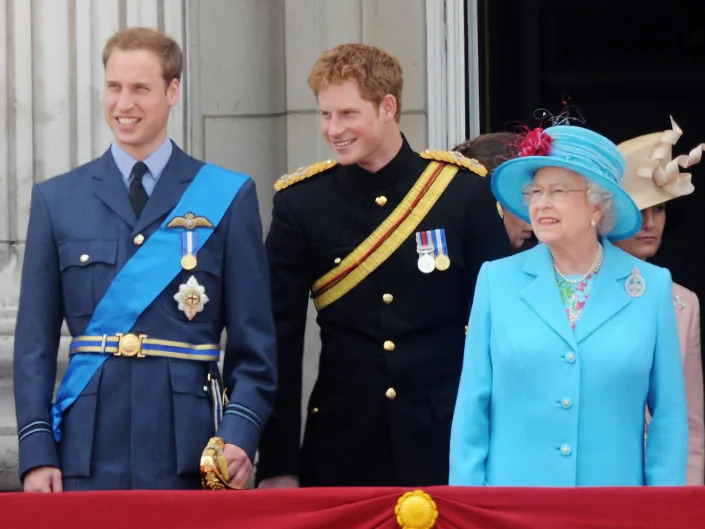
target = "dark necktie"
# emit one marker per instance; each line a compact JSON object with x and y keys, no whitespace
{"x":138,"y":196}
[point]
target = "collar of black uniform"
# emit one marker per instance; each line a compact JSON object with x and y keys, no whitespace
{"x":398,"y":167}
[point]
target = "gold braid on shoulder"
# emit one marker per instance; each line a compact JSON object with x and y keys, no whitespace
{"x":302,"y":173}
{"x":455,"y":158}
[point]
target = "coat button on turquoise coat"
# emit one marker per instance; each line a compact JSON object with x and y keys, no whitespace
{"x":570,"y":357}
{"x":566,"y":450}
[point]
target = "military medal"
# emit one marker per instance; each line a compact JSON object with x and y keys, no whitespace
{"x":424,"y":247}
{"x":442,"y":261}
{"x":191,"y":297}
{"x":433,"y":250}
{"x":426,"y":263}
{"x":188,"y":260}
{"x":636,"y":284}
{"x":189,"y":239}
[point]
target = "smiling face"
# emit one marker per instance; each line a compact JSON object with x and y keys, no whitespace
{"x":358,"y":131}
{"x":646,"y":242}
{"x":559,"y":221}
{"x":137,"y":100}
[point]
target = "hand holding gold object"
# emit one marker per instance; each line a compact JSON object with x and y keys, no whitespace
{"x":214,"y":467}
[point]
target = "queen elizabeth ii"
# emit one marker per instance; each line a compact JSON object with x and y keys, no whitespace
{"x":569,"y":341}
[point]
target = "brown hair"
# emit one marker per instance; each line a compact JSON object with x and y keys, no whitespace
{"x":490,"y":149}
{"x":165,"y":48}
{"x":377,"y":73}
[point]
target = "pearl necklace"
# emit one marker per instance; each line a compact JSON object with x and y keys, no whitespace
{"x":594,"y":267}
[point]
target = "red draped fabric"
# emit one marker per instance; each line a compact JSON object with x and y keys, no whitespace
{"x":368,"y":508}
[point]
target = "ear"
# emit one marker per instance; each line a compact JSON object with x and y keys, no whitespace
{"x":172,"y":92}
{"x":388,"y":107}
{"x":597,"y":213}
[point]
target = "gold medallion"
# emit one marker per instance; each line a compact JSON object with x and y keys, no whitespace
{"x":189,"y":261}
{"x":442,"y":262}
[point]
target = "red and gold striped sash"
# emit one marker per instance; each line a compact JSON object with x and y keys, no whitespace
{"x":386,"y":238}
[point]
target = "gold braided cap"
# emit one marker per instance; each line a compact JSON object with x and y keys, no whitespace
{"x":302,"y":173}
{"x":455,"y":158}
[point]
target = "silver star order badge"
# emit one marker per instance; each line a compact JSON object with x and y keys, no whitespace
{"x":191,"y":297}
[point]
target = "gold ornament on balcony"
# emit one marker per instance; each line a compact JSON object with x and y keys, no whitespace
{"x":416,"y":510}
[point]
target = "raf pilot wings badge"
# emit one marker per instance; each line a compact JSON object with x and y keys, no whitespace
{"x":189,"y":242}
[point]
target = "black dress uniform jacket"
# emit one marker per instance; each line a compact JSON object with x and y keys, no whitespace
{"x":376,"y":416}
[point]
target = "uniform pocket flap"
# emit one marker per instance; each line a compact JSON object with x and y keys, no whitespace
{"x":87,"y":252}
{"x":188,"y":377}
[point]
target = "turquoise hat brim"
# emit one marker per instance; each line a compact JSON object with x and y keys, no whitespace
{"x":509,"y":179}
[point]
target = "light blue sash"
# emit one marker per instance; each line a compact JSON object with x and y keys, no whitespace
{"x":145,"y":275}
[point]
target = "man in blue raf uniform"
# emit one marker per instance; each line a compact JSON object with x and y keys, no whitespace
{"x":148,"y":254}
{"x":389,"y":243}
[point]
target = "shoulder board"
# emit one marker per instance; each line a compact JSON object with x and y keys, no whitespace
{"x":302,"y":173}
{"x":455,"y":158}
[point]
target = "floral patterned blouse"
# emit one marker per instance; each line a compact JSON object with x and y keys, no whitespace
{"x":574,"y":295}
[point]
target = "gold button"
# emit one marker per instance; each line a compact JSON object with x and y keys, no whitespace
{"x":389,"y":345}
{"x":391,"y":394}
{"x":337,"y":260}
{"x":84,"y":258}
{"x":381,"y":200}
{"x":139,"y":239}
{"x":314,"y":410}
{"x":466,"y":329}
{"x":387,"y":298}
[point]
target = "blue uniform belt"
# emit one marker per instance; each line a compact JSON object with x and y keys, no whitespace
{"x":140,"y":346}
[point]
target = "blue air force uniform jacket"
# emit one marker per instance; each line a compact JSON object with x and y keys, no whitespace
{"x":541,"y":405}
{"x":391,"y":349}
{"x":140,"y":422}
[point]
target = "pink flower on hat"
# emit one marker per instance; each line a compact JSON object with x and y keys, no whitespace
{"x":536,"y":143}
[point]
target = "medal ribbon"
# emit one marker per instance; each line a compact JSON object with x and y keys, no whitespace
{"x":144,"y":276}
{"x":440,"y":238}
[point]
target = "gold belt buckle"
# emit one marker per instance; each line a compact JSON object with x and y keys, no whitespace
{"x":130,"y":345}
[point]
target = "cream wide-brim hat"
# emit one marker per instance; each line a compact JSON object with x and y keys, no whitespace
{"x":652,"y":176}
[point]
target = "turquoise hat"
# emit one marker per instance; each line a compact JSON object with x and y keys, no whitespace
{"x":578,"y":149}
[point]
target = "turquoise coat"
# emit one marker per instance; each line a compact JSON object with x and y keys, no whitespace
{"x":542,"y":405}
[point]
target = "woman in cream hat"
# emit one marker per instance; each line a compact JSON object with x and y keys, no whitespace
{"x":652,"y":179}
{"x":570,"y":340}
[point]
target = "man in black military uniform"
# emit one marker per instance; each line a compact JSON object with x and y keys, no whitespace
{"x":392,"y":315}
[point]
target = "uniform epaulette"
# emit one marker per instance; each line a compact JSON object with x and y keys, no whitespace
{"x":302,"y":173}
{"x":455,"y":158}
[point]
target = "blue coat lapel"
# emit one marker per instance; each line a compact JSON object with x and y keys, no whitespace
{"x":178,"y":173}
{"x":541,"y":294}
{"x":607,"y":296}
{"x":110,"y":188}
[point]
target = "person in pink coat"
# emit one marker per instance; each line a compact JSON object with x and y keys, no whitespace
{"x":653,"y":178}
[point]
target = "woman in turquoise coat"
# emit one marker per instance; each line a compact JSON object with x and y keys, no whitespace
{"x":569,"y":342}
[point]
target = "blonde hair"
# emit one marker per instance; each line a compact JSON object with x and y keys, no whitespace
{"x":164,"y":47}
{"x":377,"y":72}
